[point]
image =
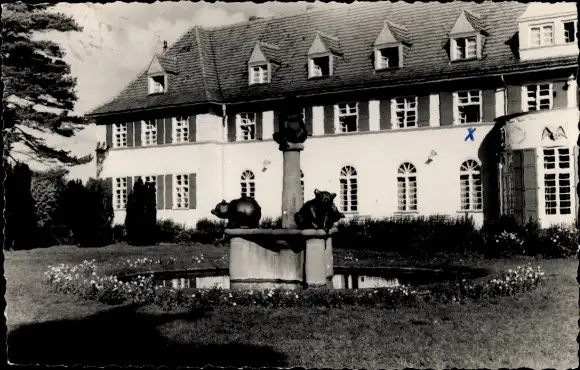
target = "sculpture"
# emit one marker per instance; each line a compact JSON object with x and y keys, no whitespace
{"x":292,"y":128}
{"x":241,"y":213}
{"x":318,"y":213}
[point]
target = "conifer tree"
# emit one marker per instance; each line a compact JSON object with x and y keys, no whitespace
{"x":35,"y":75}
{"x":19,"y":212}
{"x":141,"y":216}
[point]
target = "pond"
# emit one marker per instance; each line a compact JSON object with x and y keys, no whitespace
{"x":344,"y":277}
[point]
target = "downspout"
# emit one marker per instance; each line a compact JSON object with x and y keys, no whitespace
{"x":500,"y":164}
{"x":224,"y":140}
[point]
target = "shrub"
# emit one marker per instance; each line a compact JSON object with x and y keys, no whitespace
{"x":168,"y":230}
{"x":206,"y":232}
{"x":141,"y":216}
{"x":19,"y":212}
{"x":271,"y":223}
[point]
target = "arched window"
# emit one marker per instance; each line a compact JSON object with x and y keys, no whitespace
{"x":407,"y":187}
{"x":348,"y":189}
{"x":248,"y":183}
{"x":302,"y":184}
{"x":470,"y":183}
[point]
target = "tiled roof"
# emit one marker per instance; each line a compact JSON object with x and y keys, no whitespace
{"x":212,"y":63}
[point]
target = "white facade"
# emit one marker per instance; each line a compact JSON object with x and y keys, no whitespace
{"x":437,"y":152}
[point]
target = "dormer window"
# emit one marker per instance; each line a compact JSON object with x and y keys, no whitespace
{"x":464,"y":48}
{"x":320,"y":67}
{"x":322,"y":55}
{"x":388,"y":57}
{"x":157,"y":84}
{"x":389,"y":46}
{"x":159,"y":69}
{"x":467,"y":37}
{"x":263,"y":57}
{"x":548,"y":31}
{"x":542,"y":35}
{"x":259,"y":74}
{"x":570,"y":29}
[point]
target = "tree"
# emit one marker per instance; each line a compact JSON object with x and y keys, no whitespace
{"x":19,"y":215}
{"x":39,"y":90}
{"x":141,"y":216}
{"x":89,"y":212}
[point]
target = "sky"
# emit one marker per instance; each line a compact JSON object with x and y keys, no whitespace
{"x":119,"y":40}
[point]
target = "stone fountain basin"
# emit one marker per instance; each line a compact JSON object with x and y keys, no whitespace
{"x":343,"y":278}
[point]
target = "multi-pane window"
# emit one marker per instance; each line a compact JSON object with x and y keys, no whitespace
{"x":347,"y":117}
{"x":180,"y":129}
{"x":406,"y":112}
{"x":120,"y":191}
{"x":469,"y":106}
{"x":471,"y":188}
{"x":407,"y":187}
{"x":465,"y":48}
{"x":319,"y":67}
{"x":248,"y":184}
{"x":259,"y":74}
{"x":149,"y":132}
{"x":246,"y":126}
{"x":542,"y":35}
{"x":348,"y":189}
{"x":181,"y":191}
{"x":387,"y":57}
{"x":508,"y":185}
{"x":119,"y":135}
{"x":540,"y":97}
{"x":157,"y":84}
{"x":570,"y":31}
{"x":557,"y":181}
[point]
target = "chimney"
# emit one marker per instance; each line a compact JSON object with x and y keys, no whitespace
{"x":164,"y":46}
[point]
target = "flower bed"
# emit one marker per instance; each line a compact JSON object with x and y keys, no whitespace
{"x":85,"y":281}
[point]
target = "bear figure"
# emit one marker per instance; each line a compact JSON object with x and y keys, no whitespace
{"x":243,"y":213}
{"x":292,"y":128}
{"x":318,"y":213}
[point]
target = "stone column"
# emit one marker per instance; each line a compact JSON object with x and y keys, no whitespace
{"x":291,"y":188}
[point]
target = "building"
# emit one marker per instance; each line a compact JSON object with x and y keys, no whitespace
{"x":412,"y":108}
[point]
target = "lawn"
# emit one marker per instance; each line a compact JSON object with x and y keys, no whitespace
{"x":536,"y":329}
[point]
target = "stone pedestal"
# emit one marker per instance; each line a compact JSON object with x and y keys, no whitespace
{"x":280,"y":258}
{"x":291,"y":186}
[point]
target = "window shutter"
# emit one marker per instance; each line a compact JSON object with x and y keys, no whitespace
{"x":160,"y":192}
{"x":129,"y":185}
{"x":276,"y":121}
{"x":329,"y":119}
{"x":560,"y":98}
{"x":168,"y":128}
{"x":137,"y":131}
{"x":231,"y":127}
{"x":192,"y":191}
{"x":109,"y":135}
{"x":488,"y":105}
{"x":168,"y":191}
{"x":423,"y":111}
{"x":363,"y":116}
{"x":575,"y":185}
{"x":259,"y":125}
{"x":130,"y":133}
{"x":160,"y":126}
{"x":109,"y":182}
{"x":530,"y":186}
{"x":308,"y":119}
{"x":514,"y":99}
{"x":385,"y":114}
{"x":192,"y":128}
{"x":518,"y":186}
{"x":446,"y":108}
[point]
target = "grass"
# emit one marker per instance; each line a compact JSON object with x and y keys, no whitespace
{"x":536,"y":329}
